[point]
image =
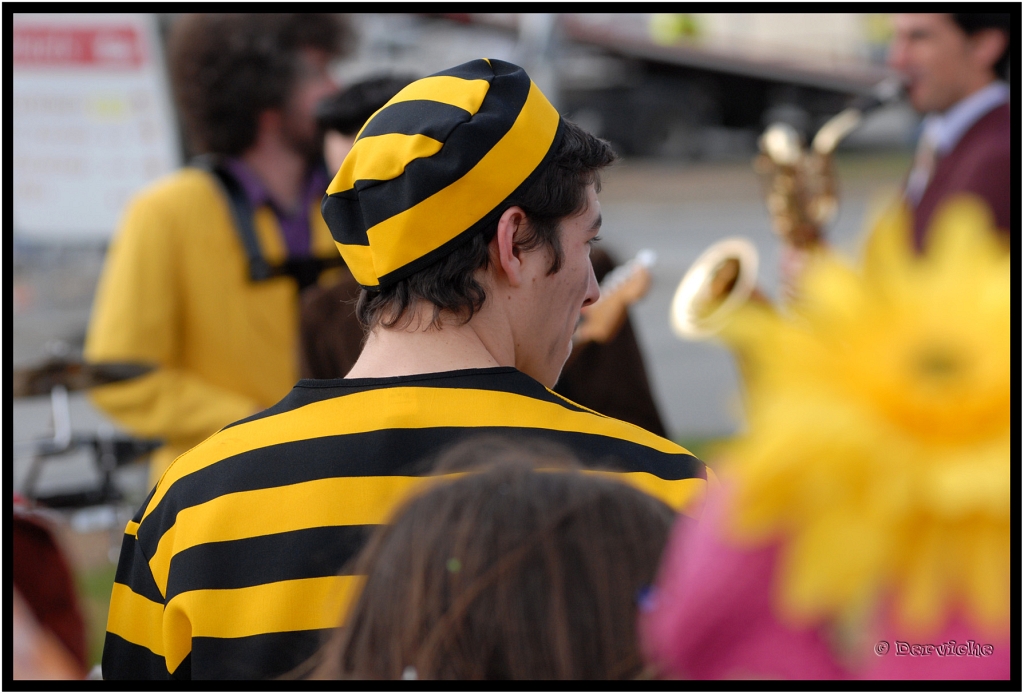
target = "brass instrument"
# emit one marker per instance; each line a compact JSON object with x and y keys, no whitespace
{"x":800,"y":192}
{"x":800,"y":185}
{"x":722,"y":279}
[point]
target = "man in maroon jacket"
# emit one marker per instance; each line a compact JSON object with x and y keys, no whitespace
{"x":954,"y":66}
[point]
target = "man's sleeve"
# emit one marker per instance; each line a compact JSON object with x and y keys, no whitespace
{"x":134,"y":646}
{"x":138,"y":316}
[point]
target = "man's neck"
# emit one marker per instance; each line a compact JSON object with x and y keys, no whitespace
{"x":281,"y":169}
{"x":395,"y":352}
{"x":415,"y":348}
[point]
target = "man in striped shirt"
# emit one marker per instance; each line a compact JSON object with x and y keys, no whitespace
{"x":465,"y":210}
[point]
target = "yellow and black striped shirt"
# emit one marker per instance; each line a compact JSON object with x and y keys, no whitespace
{"x":231,"y":567}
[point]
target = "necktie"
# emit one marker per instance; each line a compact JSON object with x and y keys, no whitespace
{"x":924,"y":166}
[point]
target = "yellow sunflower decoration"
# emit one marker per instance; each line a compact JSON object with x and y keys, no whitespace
{"x":878,"y":440}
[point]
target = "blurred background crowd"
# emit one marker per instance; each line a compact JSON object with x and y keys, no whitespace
{"x":99,"y":114}
{"x":682,"y":98}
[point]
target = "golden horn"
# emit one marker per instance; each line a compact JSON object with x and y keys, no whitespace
{"x":721,"y":280}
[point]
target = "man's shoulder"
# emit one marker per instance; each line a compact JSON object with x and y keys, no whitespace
{"x":997,"y":120}
{"x":480,"y":399}
{"x":622,"y":429}
{"x":391,"y":431}
{"x":187,"y":183}
{"x":989,"y":136}
{"x":980,"y":159}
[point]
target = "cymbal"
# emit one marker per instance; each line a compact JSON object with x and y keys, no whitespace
{"x":73,"y":375}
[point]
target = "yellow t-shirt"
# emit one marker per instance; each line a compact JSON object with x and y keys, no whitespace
{"x":175,"y":292}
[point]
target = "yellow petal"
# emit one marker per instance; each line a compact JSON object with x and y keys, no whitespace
{"x":988,"y":584}
{"x":830,"y":563}
{"x":888,"y":249}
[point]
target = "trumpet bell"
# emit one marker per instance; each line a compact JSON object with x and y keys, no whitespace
{"x":719,"y":281}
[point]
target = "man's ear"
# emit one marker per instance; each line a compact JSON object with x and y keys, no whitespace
{"x":509,"y":254}
{"x":989,"y":45}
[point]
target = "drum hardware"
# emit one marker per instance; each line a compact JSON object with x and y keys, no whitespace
{"x":72,"y":374}
{"x":57,"y":376}
{"x":110,"y":452}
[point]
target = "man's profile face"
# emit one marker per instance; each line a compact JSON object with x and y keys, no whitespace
{"x":935,"y":57}
{"x":554,"y":301}
{"x":313,"y":83}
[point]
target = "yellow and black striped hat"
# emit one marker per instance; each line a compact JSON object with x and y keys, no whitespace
{"x":434,"y":165}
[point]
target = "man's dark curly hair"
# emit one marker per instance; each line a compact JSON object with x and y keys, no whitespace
{"x":228,"y":68}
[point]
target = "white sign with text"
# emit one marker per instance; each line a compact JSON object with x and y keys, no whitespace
{"x":93,"y":121}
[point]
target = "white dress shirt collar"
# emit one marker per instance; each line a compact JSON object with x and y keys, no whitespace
{"x":945,"y":129}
